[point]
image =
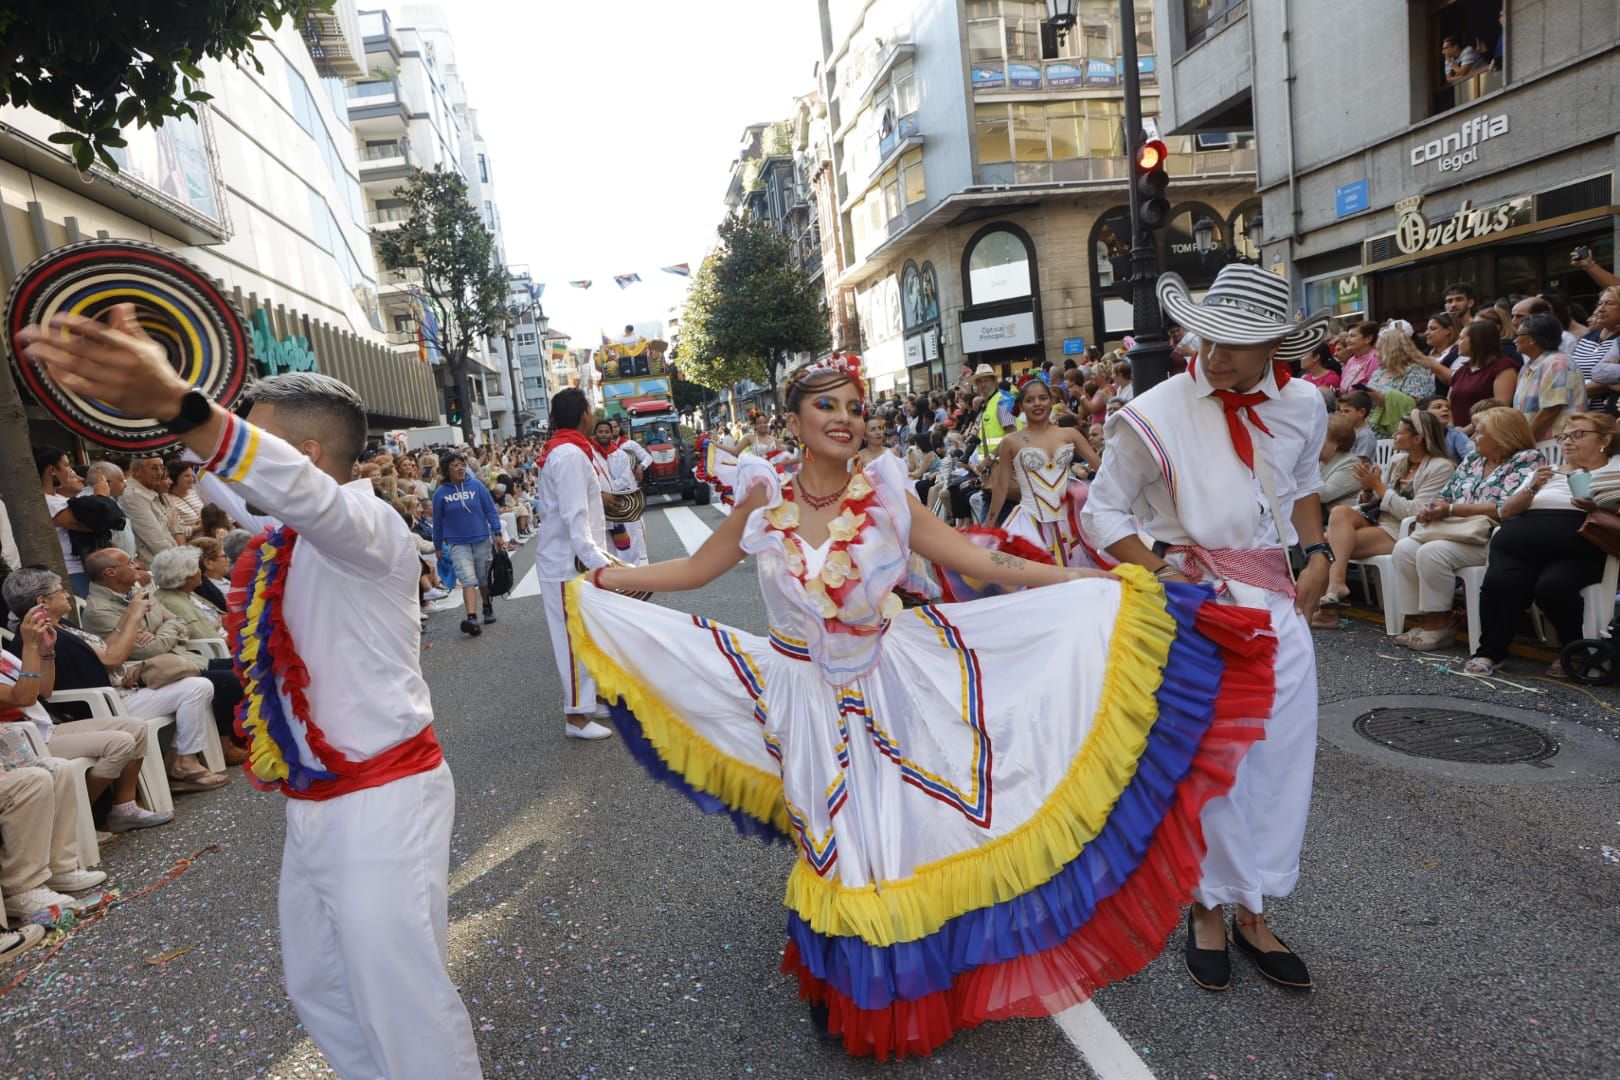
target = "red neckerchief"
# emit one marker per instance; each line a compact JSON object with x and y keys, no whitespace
{"x":1235,"y":403}
{"x":569,"y":438}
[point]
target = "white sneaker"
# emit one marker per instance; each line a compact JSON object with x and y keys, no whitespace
{"x":138,"y":818}
{"x":435,"y":594}
{"x":589,"y":730}
{"x":25,"y":905}
{"x":444,"y":603}
{"x":76,"y":880}
{"x":13,"y":943}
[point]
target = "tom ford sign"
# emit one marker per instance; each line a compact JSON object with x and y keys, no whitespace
{"x":1415,"y":232}
{"x":1461,"y":147}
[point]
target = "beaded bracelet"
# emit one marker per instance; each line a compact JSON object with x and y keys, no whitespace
{"x":21,"y":675}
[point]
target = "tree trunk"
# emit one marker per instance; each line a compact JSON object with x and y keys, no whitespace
{"x":19,"y":485}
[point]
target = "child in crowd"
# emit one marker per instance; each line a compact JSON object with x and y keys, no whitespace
{"x":1357,"y":405}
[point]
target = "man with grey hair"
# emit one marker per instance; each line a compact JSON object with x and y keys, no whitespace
{"x":123,"y":539}
{"x":143,"y":507}
{"x":365,"y":866}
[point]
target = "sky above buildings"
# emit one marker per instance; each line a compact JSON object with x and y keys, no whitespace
{"x":612,"y":127}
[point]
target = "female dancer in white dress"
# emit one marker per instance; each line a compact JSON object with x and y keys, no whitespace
{"x":984,"y":828}
{"x":1038,"y":459}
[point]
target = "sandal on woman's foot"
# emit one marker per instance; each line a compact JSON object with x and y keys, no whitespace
{"x":1430,"y":640}
{"x":1556,"y":671}
{"x":1331,"y":599}
{"x":1326,"y":618}
{"x":1480,"y":665}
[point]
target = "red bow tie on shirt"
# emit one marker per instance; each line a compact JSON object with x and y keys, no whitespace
{"x":1234,"y":403}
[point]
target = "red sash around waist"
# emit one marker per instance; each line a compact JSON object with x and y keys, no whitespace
{"x":418,"y":754}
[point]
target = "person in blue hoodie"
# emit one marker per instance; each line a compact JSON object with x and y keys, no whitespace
{"x":467,"y":526}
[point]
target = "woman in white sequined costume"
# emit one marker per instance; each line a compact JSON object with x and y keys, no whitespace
{"x":1038,"y":458}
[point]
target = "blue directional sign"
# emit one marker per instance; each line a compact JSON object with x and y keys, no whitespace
{"x":1074,"y":346}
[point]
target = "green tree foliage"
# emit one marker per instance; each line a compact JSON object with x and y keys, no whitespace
{"x":747,"y":306}
{"x":98,"y":67}
{"x":445,"y":239}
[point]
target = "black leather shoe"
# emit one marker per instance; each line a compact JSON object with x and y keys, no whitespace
{"x":1283,"y":968}
{"x":1209,"y":968}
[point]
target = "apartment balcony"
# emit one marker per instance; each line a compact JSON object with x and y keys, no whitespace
{"x":379,"y":110}
{"x":388,"y":217}
{"x":499,"y":403}
{"x":385,"y":166}
{"x":396,"y":283}
{"x":335,"y":41}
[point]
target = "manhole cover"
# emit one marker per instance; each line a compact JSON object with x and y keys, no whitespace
{"x":1453,"y":735}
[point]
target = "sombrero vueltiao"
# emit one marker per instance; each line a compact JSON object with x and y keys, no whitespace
{"x":177,"y":305}
{"x":1244,"y":306}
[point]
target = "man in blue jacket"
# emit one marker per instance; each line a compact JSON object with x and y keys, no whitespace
{"x":467,"y":526}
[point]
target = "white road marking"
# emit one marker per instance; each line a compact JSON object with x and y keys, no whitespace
{"x":688,"y":526}
{"x":529,"y":586}
{"x":1101,"y":1044}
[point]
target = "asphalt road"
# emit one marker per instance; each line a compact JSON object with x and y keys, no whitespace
{"x":1458,"y":922}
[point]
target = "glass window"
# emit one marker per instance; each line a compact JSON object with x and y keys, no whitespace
{"x":1066,"y":122}
{"x":911,"y":171}
{"x":905,"y":90}
{"x":1105,"y":132}
{"x":1029,"y":132}
{"x":1023,"y":39}
{"x":483,"y":168}
{"x":983,"y":9}
{"x":891,"y":194}
{"x":984,"y":41}
{"x":995,"y":146}
{"x":998,"y":268}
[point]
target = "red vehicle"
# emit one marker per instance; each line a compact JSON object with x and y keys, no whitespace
{"x":655,"y":425}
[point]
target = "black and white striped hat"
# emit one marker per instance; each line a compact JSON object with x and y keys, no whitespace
{"x":1245,"y":306}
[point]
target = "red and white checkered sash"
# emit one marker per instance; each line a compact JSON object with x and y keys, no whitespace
{"x":1264,"y":568}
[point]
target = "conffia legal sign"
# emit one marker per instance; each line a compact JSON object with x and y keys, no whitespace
{"x":1457,"y":148}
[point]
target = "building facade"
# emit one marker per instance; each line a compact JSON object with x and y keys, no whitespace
{"x":1486,"y":161}
{"x":262,"y":191}
{"x":979,"y":179}
{"x":411,"y":111}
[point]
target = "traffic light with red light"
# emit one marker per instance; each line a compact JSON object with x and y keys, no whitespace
{"x":1152,"y":208}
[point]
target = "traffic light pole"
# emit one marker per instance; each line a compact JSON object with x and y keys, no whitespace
{"x":1150,"y":356}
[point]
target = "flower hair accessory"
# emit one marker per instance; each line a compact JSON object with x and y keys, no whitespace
{"x":843,"y":364}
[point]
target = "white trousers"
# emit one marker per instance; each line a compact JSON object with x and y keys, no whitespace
{"x":364,"y":928}
{"x":579,"y":689}
{"x":1254,"y":833}
{"x":636,"y":554}
{"x":1428,"y":571}
{"x":190,"y":700}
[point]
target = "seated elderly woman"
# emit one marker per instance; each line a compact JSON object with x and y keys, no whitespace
{"x":177,"y":573}
{"x":84,"y":662}
{"x":116,"y":745}
{"x":1462,"y":517}
{"x":1417,"y":470}
{"x":1538,"y":556}
{"x":216,"y":570}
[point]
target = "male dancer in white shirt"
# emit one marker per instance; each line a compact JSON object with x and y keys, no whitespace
{"x":370,"y":802}
{"x":573,"y":526}
{"x":1234,"y":422}
{"x":624,"y":478}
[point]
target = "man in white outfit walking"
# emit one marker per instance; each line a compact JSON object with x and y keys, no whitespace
{"x":1234,"y":422}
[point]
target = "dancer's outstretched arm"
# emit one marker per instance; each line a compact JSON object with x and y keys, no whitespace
{"x":999,"y":481}
{"x":719,"y":553}
{"x":939,"y":543}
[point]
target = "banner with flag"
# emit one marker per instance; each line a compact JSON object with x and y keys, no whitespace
{"x":624,"y":281}
{"x":679,"y":270}
{"x":581,"y":284}
{"x":427,"y":329}
{"x":536,"y":291}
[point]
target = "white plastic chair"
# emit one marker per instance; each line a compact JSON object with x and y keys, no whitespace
{"x":1553,"y":451}
{"x":1597,"y":603}
{"x":211,"y":647}
{"x":1389,"y":583}
{"x":153,"y":783}
{"x":1385,"y":451}
{"x":84,"y":822}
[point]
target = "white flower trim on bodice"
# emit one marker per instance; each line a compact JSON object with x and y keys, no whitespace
{"x":1042,"y":480}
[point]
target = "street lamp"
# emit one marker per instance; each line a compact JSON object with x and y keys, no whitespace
{"x":1257,"y":233}
{"x":1060,"y":17}
{"x":1204,"y":235}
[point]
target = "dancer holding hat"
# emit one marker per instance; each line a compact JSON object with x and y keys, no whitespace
{"x":994,"y":803}
{"x":1180,"y":460}
{"x":324,"y":626}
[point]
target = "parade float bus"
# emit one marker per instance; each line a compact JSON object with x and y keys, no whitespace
{"x":637,"y":389}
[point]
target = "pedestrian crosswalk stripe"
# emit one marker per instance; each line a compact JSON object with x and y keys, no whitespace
{"x":688,"y":526}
